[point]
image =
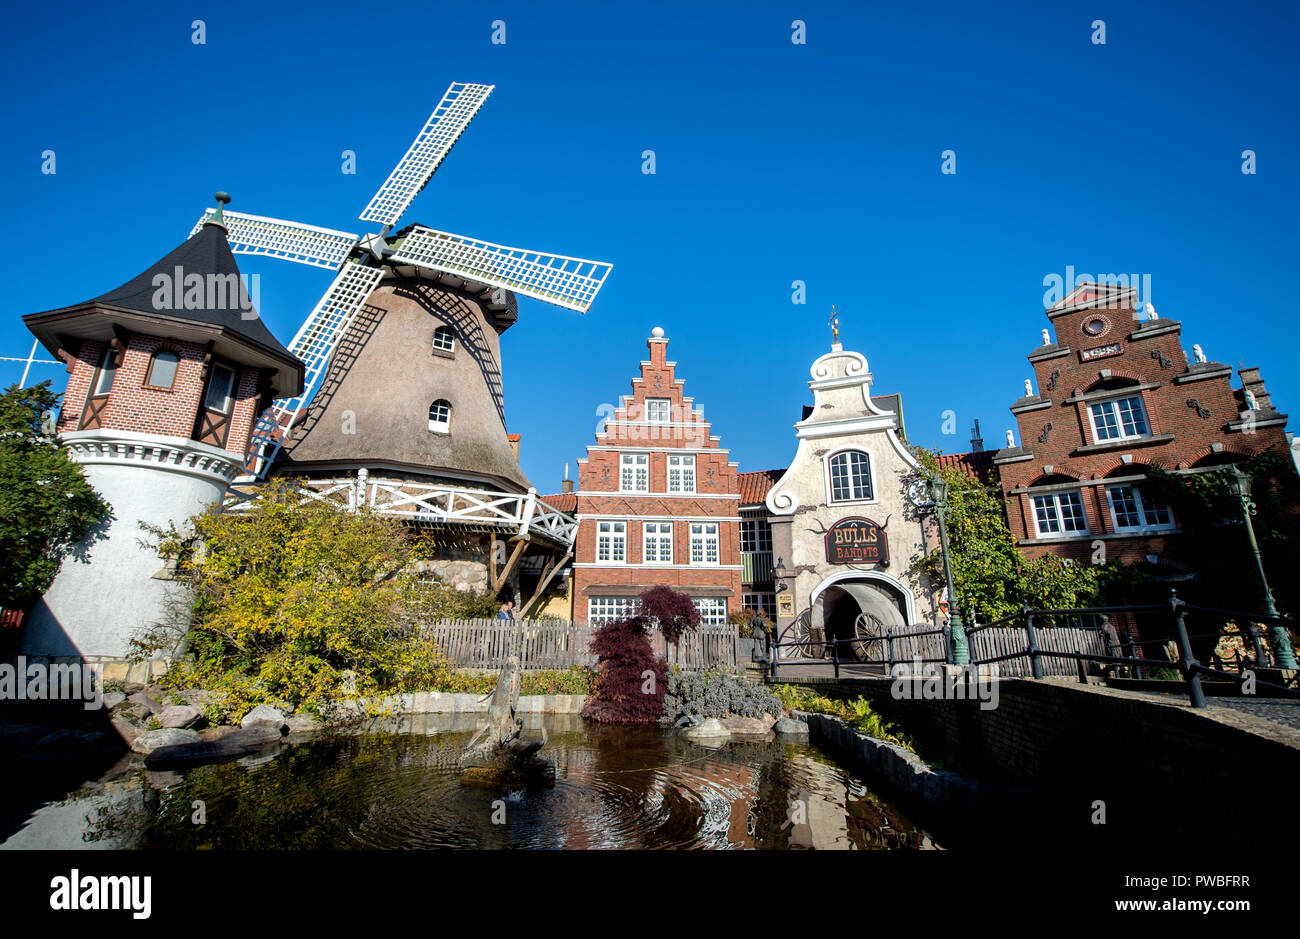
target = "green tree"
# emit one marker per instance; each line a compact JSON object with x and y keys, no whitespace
{"x":46,"y":505}
{"x":300,"y":602}
{"x":993,"y":579}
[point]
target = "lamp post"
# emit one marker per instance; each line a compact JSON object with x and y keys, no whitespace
{"x":939,"y":492}
{"x":1239,"y":486}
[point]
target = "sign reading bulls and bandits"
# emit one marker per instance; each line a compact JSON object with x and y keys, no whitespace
{"x":856,"y":540}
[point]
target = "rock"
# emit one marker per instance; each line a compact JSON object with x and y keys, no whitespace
{"x":145,"y":701}
{"x":155,"y":691}
{"x":196,"y":698}
{"x":302,"y":723}
{"x":181,"y":715}
{"x":113,"y":698}
{"x":710,"y":729}
{"x":152,"y":740}
{"x":745,"y":726}
{"x":125,"y":729}
{"x":216,"y":733}
{"x":235,"y":743}
{"x":263,"y":712}
{"x":688,"y":720}
{"x":768,"y":719}
{"x":788,"y":725}
{"x":132,"y":687}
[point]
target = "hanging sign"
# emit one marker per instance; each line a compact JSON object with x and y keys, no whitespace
{"x":856,"y":540}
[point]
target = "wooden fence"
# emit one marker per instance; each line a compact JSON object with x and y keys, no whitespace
{"x":485,"y":643}
{"x":995,"y":641}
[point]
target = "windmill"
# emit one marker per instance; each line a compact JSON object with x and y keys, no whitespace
{"x":360,"y":263}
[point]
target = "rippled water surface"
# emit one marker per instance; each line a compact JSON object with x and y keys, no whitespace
{"x":615,"y":787}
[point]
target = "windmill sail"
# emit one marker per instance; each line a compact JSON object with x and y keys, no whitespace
{"x":278,"y":238}
{"x":571,"y":283}
{"x":444,"y":127}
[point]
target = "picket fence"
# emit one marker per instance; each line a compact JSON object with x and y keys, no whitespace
{"x":994,"y":641}
{"x":486,"y":643}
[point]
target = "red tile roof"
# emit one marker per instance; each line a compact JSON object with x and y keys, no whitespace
{"x":976,"y":464}
{"x":513,"y":437}
{"x":566,"y":502}
{"x":754,"y":487}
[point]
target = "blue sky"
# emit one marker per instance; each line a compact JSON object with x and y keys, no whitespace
{"x":776,"y":162}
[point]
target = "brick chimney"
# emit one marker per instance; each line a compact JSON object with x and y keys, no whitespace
{"x":567,"y":484}
{"x":514,"y":444}
{"x":1251,"y":382}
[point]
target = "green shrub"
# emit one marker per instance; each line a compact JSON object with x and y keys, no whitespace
{"x":858,"y":713}
{"x":716,"y":694}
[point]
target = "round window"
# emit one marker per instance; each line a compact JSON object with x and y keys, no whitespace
{"x":1096,"y":325}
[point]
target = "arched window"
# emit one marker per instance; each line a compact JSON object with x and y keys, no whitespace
{"x":440,"y":416}
{"x":162,"y":369}
{"x":444,"y":340}
{"x":850,"y":477}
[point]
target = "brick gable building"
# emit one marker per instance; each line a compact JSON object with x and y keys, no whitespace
{"x":1114,"y":397}
{"x":657,"y":503}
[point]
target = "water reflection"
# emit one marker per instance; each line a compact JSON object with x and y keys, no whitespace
{"x":616,"y":787}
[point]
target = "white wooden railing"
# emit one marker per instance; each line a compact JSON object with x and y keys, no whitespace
{"x":515,"y":513}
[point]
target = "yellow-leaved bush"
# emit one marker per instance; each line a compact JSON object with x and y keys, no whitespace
{"x":300,"y":602}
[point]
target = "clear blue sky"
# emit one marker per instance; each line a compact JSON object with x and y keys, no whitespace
{"x":775,"y":162}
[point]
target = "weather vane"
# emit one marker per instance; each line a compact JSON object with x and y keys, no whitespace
{"x":835,"y":324}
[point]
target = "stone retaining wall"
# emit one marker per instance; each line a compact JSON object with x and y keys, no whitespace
{"x":445,"y":702}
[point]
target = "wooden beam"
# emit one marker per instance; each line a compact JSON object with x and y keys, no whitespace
{"x":510,"y":564}
{"x":544,"y":583}
{"x":492,"y":563}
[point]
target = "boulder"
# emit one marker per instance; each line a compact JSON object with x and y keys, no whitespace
{"x":263,"y":713}
{"x":152,"y":740}
{"x":688,"y":720}
{"x":745,"y":726}
{"x":125,"y":729}
{"x":196,"y":698}
{"x":711,"y":729}
{"x":181,"y":715}
{"x":146,"y":702}
{"x":302,"y":723}
{"x":768,"y":719}
{"x":113,"y":698}
{"x":132,"y":687}
{"x":787,"y":725}
{"x":234,"y":744}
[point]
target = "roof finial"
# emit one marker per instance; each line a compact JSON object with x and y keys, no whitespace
{"x":835,"y":326}
{"x":223,"y":198}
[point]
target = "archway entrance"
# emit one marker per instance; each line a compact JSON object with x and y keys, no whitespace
{"x":862,"y":610}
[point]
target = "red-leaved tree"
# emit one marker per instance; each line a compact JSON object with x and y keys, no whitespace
{"x":631,"y":679}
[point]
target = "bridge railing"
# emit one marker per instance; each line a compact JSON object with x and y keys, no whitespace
{"x":1036,"y":643}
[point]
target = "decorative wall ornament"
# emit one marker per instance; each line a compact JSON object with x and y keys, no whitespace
{"x":1051,"y":382}
{"x":1200,"y":411}
{"x":1161,"y":358}
{"x":1047,"y":429}
{"x":604,"y":474}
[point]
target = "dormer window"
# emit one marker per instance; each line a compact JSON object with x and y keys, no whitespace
{"x":162,"y":369}
{"x":1120,"y":419}
{"x":104,"y":378}
{"x":850,"y":477}
{"x":658,"y":410}
{"x":440,"y":416}
{"x":444,"y":340}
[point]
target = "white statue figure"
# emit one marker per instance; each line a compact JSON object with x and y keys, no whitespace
{"x":1251,"y":403}
{"x":1047,"y":341}
{"x":1151,"y":312}
{"x":1029,"y":388}
{"x":1198,"y":353}
{"x":1011,"y":439}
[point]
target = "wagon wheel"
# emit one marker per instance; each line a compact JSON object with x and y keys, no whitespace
{"x":799,"y":631}
{"x":871,"y":645}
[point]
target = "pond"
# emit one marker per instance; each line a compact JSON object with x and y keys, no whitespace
{"x":397,"y":786}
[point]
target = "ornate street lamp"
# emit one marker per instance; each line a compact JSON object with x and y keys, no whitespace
{"x":939,"y":493}
{"x":1239,"y":486}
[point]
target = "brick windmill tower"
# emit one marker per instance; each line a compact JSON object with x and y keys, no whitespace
{"x":167,"y":375}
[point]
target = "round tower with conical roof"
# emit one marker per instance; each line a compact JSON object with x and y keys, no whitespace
{"x":167,"y":374}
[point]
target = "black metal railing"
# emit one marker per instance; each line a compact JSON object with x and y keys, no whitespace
{"x":1098,"y":643}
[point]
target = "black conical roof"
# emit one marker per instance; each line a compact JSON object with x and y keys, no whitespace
{"x":207,"y":253}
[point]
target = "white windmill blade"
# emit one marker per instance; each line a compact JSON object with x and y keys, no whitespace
{"x":277,"y":238}
{"x":314,"y":344}
{"x":568,"y":282}
{"x":445,"y":125}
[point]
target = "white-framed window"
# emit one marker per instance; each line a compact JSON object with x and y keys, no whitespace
{"x":850,"y":477}
{"x":658,"y":542}
{"x":221,"y":388}
{"x":602,"y":610}
{"x":755,"y":535}
{"x":107,"y":371}
{"x":704,"y":542}
{"x":635,"y":474}
{"x":1060,"y":513}
{"x":764,"y":603}
{"x":658,"y":410}
{"x":713,"y":610}
{"x":1132,"y":507}
{"x":1120,"y":419}
{"x":162,"y":369}
{"x":440,"y":416}
{"x":611,"y":542}
{"x":681,"y":473}
{"x":444,"y":340}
